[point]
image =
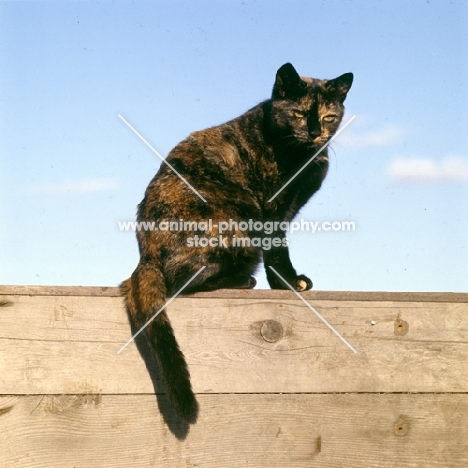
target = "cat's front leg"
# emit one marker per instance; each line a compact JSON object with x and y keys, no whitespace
{"x":279,"y":268}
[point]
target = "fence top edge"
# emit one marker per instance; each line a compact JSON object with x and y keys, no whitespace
{"x":110,"y":291}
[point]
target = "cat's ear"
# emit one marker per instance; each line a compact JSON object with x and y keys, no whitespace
{"x":340,"y":86}
{"x":288,"y":83}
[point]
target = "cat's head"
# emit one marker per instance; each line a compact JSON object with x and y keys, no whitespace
{"x":306,"y":112}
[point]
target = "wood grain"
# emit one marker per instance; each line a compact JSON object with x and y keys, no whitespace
{"x":68,"y":344}
{"x":277,"y":389}
{"x":274,"y":431}
{"x":110,"y":291}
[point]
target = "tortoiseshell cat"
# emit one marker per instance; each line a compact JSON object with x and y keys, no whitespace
{"x":237,"y":167}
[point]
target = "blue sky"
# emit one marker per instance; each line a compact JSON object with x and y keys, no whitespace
{"x":70,"y":169}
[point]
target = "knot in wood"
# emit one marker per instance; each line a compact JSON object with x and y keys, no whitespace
{"x":401,"y":427}
{"x":401,"y":327}
{"x":271,"y":331}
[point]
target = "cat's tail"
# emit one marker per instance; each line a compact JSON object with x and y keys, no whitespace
{"x":145,"y":295}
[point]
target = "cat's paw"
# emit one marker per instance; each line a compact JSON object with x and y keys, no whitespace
{"x":299,"y":283}
{"x":302,"y":283}
{"x":249,"y":284}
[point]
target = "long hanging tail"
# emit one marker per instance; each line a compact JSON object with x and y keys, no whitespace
{"x":145,"y":295}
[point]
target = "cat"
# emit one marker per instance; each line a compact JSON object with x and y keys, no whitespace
{"x":237,"y":167}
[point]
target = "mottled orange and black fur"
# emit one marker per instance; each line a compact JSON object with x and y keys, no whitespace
{"x":237,"y":167}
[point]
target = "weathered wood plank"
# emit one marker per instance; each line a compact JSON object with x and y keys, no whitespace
{"x":270,"y":431}
{"x":109,"y":291}
{"x":69,"y":344}
{"x":95,"y":291}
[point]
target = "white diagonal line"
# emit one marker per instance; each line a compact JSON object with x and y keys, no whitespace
{"x":161,"y":309}
{"x":314,"y":311}
{"x":312,"y":158}
{"x":159,"y":156}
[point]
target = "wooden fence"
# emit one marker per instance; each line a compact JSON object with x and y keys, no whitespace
{"x":276,"y":387}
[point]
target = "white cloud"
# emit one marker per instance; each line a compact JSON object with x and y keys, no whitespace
{"x":449,"y":169}
{"x":358,"y":139}
{"x":73,"y":187}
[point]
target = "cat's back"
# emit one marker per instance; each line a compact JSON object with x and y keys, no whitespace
{"x":215,"y":163}
{"x":228,"y":144}
{"x":208,"y":146}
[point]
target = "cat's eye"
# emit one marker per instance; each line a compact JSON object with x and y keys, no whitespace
{"x":329,"y":118}
{"x":299,"y":114}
